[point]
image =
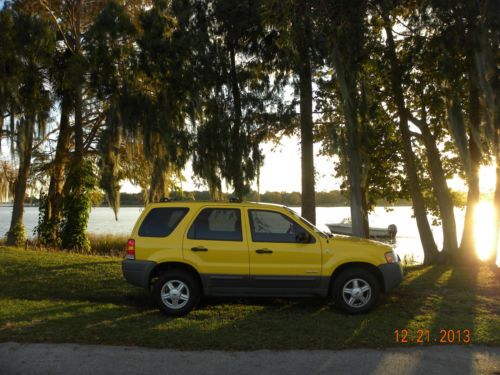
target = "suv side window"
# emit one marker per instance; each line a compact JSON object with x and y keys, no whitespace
{"x":271,"y":226}
{"x":161,"y":221}
{"x":217,"y":224}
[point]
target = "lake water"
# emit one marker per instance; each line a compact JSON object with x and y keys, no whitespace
{"x":407,"y":241}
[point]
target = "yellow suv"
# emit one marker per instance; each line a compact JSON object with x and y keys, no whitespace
{"x":183,"y":250}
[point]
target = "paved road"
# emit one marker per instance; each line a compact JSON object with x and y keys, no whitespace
{"x":92,"y":359}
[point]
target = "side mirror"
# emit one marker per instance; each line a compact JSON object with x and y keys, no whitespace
{"x":303,"y":237}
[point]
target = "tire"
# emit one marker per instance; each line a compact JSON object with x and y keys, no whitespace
{"x":176,"y":292}
{"x":356,"y":290}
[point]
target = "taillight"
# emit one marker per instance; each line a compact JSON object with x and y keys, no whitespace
{"x":131,"y":249}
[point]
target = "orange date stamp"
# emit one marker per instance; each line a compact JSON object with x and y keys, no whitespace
{"x":426,"y":336}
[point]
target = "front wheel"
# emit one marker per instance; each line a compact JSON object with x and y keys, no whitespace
{"x":356,"y":290}
{"x":176,"y":292}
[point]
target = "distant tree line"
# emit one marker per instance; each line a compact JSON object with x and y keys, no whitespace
{"x":404,"y":94}
{"x":333,"y":198}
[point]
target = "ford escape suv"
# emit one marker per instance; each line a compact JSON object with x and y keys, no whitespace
{"x":183,"y":250}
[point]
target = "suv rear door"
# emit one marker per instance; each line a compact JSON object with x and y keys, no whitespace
{"x":216,"y":243}
{"x":277,"y":261}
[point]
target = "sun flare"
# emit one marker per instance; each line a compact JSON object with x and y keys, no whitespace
{"x":484,"y":229}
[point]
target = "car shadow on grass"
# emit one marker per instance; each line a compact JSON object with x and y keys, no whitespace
{"x":399,"y":309}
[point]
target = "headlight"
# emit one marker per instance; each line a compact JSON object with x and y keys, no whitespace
{"x":391,"y":257}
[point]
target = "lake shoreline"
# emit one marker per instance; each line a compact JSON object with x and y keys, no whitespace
{"x":102,"y":222}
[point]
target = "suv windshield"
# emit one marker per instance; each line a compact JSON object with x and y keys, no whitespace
{"x":308,"y":223}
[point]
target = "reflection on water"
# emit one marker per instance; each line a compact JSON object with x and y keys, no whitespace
{"x":407,"y":241}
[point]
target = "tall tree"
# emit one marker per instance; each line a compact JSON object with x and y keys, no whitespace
{"x":426,"y":237}
{"x":456,"y":25}
{"x":71,"y":21}
{"x":34,"y":44}
{"x":302,"y":40}
{"x":164,"y":92}
{"x":485,"y":50}
{"x":292,"y":41}
{"x":51,"y":213}
{"x":112,"y":64}
{"x":234,"y":94}
{"x":426,"y":110}
{"x":346,"y":31}
{"x":8,"y":71}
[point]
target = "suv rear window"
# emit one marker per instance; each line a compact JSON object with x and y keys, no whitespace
{"x":217,"y":224}
{"x":160,"y":222}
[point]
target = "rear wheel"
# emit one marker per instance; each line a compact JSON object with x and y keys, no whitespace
{"x":176,"y":292}
{"x":356,"y":290}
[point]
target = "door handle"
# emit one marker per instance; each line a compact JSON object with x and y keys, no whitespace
{"x":263,"y":251}
{"x":199,"y":248}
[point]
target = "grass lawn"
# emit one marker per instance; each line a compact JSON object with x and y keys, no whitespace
{"x":61,"y":297}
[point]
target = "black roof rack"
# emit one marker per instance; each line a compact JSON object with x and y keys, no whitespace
{"x":167,"y":199}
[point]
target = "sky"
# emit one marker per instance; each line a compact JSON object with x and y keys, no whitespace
{"x":281,"y":170}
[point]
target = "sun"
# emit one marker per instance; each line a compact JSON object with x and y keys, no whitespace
{"x":484,"y":229}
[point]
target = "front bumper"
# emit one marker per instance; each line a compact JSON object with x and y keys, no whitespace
{"x":392,"y":273}
{"x":137,"y":272}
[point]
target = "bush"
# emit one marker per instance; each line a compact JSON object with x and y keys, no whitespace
{"x":17,"y":235}
{"x":107,"y":244}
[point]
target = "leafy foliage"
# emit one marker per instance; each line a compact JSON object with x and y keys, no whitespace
{"x":76,"y":209}
{"x":47,"y":230}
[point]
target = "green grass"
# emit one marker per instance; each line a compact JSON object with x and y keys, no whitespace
{"x":49,"y":296}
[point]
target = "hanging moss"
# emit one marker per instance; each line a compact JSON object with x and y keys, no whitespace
{"x":109,"y":147}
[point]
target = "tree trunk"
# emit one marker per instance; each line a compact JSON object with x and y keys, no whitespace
{"x":346,"y":78}
{"x":359,"y":215}
{"x":56,"y":185}
{"x":157,"y":189}
{"x":78,"y":158}
{"x":467,"y":244}
{"x":2,"y":119}
{"x":236,"y":142}
{"x":429,"y":246}
{"x":494,"y":252}
{"x":496,"y":201}
{"x":78,"y":127}
{"x":302,"y":25}
{"x":25,"y":152}
{"x":443,"y":194}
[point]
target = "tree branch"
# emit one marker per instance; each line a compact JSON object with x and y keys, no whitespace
{"x":46,"y":6}
{"x":414,"y":120}
{"x":45,"y":138}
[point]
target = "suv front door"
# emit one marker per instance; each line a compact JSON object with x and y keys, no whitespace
{"x":217,"y":245}
{"x":278,"y":263}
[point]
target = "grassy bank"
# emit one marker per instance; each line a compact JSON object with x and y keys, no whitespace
{"x":100,"y":244}
{"x":60,"y":297}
